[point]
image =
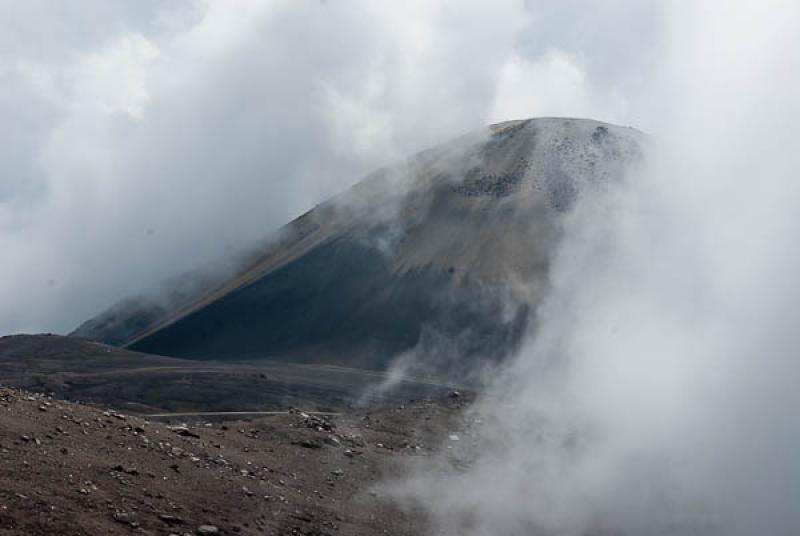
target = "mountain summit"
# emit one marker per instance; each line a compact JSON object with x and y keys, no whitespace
{"x":445,"y":254}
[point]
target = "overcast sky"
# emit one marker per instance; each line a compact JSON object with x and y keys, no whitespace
{"x":144,"y":138}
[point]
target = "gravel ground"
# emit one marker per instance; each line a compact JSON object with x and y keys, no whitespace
{"x":73,"y":469}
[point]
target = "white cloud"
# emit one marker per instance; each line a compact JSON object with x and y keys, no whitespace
{"x":552,"y":84}
{"x":161,"y":137}
{"x":657,"y":394}
{"x":115,"y":79}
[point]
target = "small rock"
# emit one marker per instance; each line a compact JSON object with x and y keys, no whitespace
{"x":122,"y":517}
{"x":207,"y":529}
{"x":184,"y":431}
{"x":171,"y":520}
{"x":308,"y":443}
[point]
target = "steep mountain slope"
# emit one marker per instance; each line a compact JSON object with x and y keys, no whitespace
{"x":446,"y":253}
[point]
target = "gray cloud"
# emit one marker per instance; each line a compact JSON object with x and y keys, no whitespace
{"x":153,"y":138}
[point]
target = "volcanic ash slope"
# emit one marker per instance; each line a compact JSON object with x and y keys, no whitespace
{"x":445,"y":254}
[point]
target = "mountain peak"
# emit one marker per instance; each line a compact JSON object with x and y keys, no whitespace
{"x":445,"y":254}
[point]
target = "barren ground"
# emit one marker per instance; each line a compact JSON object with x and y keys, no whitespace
{"x":73,"y":469}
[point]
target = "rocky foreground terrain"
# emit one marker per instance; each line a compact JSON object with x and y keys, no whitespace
{"x":73,"y":469}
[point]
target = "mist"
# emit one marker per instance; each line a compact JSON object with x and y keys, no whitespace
{"x":148,"y":139}
{"x":657,"y":395}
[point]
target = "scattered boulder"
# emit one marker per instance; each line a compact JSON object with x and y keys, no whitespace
{"x":183,"y":430}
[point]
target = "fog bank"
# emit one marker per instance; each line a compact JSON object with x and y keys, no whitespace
{"x":657,"y":395}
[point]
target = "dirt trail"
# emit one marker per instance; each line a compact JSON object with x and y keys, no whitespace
{"x":236,"y":414}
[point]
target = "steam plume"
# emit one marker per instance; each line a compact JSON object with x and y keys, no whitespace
{"x":658,"y":395}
